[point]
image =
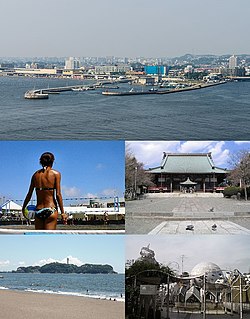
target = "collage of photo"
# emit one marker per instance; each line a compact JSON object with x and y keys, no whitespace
{"x":125,"y":159}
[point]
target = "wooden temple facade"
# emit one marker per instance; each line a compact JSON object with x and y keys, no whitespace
{"x":185,"y":172}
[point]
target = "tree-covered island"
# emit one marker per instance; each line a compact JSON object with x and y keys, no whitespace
{"x":56,"y":267}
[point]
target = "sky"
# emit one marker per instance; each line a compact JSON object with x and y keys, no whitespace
{"x":161,"y":28}
{"x":228,"y":252}
{"x":39,"y":250}
{"x":88,"y":168}
{"x":150,"y":152}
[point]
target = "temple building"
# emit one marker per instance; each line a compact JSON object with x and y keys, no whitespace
{"x":187,"y":173}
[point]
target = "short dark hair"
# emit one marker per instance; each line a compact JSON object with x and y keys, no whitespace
{"x":47,"y":159}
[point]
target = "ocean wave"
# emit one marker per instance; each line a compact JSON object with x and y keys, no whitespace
{"x":4,"y":288}
{"x":76,"y":294}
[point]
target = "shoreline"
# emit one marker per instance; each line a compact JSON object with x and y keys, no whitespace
{"x":65,"y":293}
{"x":23,"y":304}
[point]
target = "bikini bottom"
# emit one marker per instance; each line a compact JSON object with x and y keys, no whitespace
{"x":44,"y":213}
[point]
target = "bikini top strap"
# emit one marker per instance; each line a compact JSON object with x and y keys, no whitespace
{"x":45,"y":188}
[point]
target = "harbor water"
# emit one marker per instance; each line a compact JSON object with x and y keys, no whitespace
{"x":104,"y":286}
{"x":216,"y":113}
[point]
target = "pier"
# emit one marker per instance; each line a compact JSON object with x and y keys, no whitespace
{"x":57,"y":90}
{"x":108,"y":92}
{"x":191,"y":88}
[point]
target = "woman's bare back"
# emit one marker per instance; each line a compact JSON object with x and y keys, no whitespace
{"x":44,"y":182}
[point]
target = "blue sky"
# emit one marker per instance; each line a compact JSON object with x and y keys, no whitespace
{"x":16,"y":250}
{"x":88,"y":168}
{"x":228,"y":252}
{"x":124,"y":28}
{"x":150,"y":152}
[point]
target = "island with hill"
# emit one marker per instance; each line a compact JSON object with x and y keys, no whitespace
{"x":54,"y":268}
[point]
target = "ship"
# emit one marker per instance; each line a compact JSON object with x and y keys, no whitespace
{"x":36,"y":95}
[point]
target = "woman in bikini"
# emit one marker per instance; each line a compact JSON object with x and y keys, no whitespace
{"x":47,"y":183}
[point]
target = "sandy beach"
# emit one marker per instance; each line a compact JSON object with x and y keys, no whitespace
{"x":28,"y":305}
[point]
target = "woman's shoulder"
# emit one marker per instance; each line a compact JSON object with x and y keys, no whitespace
{"x":39,"y":171}
{"x":53,"y":171}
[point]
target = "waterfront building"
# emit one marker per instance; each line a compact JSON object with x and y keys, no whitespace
{"x":186,"y":172}
{"x":188,"y":69}
{"x":146,"y":80}
{"x":72,"y":64}
{"x":233,"y":62}
{"x":232,"y":72}
{"x":112,"y":69}
{"x":155,"y":70}
{"x":37,"y":72}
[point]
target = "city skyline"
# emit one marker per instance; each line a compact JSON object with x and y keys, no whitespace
{"x":64,"y":58}
{"x":166,"y":28}
{"x":88,"y":168}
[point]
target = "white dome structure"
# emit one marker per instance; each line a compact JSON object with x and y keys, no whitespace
{"x":212,"y":271}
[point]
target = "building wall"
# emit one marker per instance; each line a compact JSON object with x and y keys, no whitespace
{"x":36,"y":71}
{"x":107,"y":69}
{"x":155,"y":69}
{"x":172,"y":181}
{"x":233,"y":62}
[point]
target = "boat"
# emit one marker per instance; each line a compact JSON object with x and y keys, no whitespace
{"x":130,"y":92}
{"x":110,"y":87}
{"x":153,"y":89}
{"x":83,"y":88}
{"x":36,"y":95}
{"x":77,"y":89}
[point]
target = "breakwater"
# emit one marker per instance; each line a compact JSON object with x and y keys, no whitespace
{"x":155,"y":91}
{"x":107,"y":91}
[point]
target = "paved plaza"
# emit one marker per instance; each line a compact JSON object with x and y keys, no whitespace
{"x":208,"y":316}
{"x":172,"y":213}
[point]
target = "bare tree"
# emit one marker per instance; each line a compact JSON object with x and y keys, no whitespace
{"x":135,"y":175}
{"x":240,"y":173}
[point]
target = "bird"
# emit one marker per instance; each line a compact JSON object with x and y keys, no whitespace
{"x":214,"y":227}
{"x":190,"y":227}
{"x":211,"y":209}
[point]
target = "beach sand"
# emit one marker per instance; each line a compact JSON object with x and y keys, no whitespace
{"x":28,"y":305}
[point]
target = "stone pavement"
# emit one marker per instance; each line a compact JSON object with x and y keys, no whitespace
{"x":171,"y":214}
{"x":199,"y":227}
{"x":208,"y":316}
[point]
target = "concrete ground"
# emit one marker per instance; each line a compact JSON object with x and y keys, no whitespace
{"x":208,"y":316}
{"x":175,"y":315}
{"x":171,"y":214}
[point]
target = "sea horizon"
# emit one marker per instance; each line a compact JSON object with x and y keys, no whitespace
{"x":98,"y":286}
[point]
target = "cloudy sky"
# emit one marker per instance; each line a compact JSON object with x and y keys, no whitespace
{"x":150,"y":152}
{"x":123,"y":28}
{"x":228,"y":252}
{"x":38,"y":250}
{"x":88,"y":168}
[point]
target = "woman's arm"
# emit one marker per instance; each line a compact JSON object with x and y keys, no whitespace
{"x":59,"y":197}
{"x":29,"y":194}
